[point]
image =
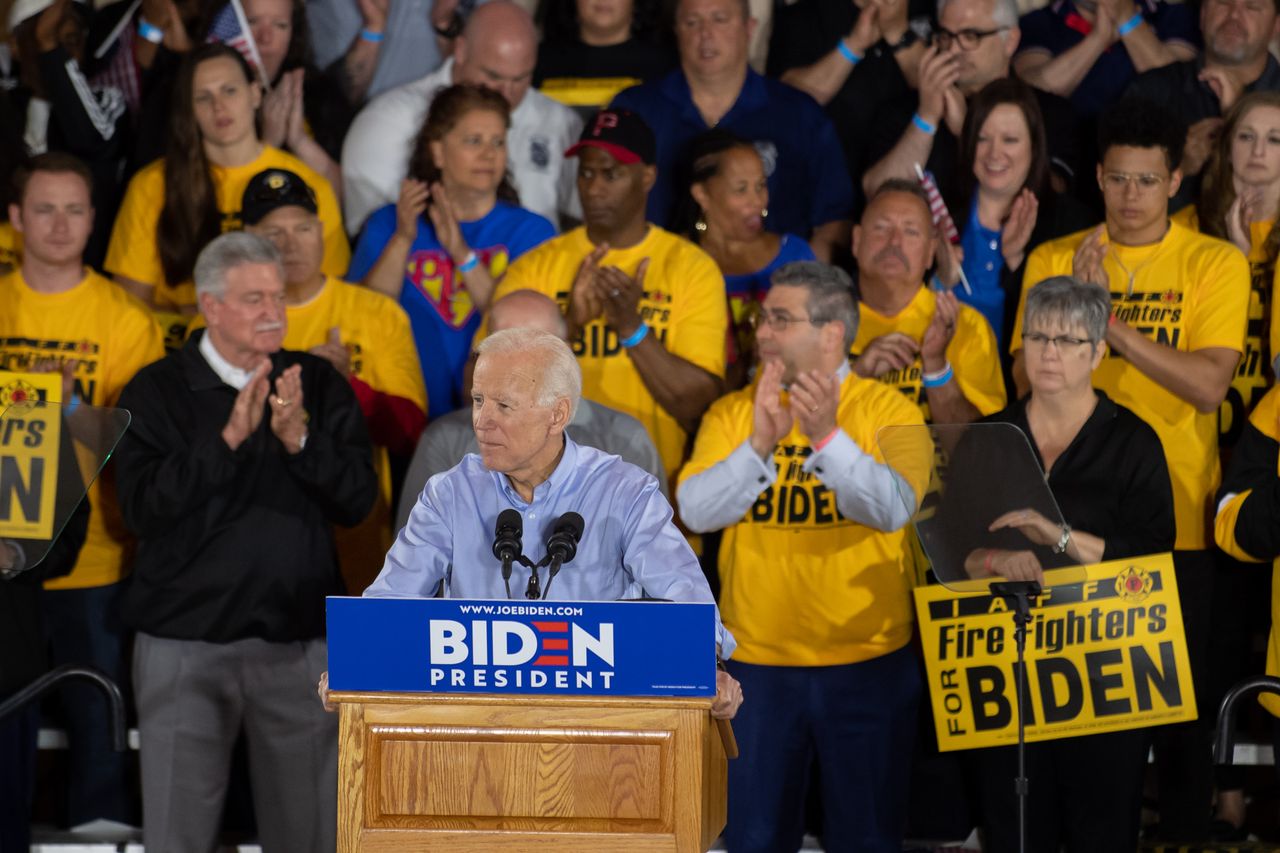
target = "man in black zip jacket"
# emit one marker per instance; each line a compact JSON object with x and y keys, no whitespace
{"x":240,"y":458}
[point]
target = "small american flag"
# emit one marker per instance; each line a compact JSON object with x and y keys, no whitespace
{"x":937,"y":207}
{"x":231,"y":27}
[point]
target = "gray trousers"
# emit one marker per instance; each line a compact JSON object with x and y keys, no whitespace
{"x":193,"y":699}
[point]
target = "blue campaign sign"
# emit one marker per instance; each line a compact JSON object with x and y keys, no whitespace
{"x":442,"y":645}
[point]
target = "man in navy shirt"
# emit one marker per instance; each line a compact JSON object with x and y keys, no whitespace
{"x":1089,"y":50}
{"x":810,"y":193}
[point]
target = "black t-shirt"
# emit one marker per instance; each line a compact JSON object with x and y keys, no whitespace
{"x":635,"y":59}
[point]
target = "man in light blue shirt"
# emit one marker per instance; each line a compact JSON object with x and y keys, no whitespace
{"x":526,"y":388}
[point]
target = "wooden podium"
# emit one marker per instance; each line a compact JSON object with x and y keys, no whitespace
{"x":474,"y":772}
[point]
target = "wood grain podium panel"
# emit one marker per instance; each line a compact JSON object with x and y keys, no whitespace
{"x":468,"y":773}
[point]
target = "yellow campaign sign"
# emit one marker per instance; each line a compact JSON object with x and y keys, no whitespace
{"x":1102,"y":655}
{"x":29,"y":441}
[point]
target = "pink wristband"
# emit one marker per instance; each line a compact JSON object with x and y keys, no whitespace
{"x":986,"y":564}
{"x":1111,"y":321}
{"x":827,"y":440}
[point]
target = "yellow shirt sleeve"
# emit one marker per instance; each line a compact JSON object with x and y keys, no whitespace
{"x":723,"y":428}
{"x":974,"y":357}
{"x":1221,"y":301}
{"x":397,"y":370}
{"x":146,"y":344}
{"x":698,"y":333}
{"x":133,"y":252}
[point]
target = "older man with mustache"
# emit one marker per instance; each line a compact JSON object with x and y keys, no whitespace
{"x":939,"y":353}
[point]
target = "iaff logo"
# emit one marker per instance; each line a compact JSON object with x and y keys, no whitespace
{"x":507,"y":653}
{"x":18,"y":394}
{"x":1133,"y":584}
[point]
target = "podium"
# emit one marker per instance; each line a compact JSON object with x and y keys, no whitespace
{"x":600,"y":739}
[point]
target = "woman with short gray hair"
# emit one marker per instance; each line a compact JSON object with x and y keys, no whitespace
{"x":1106,"y":469}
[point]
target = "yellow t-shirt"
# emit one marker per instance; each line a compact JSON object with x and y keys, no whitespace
{"x":1253,"y":374}
{"x":800,"y":585}
{"x":10,"y":247}
{"x":972,"y":352}
{"x":684,"y":304}
{"x":133,"y":252}
{"x":1190,"y":292}
{"x":375,"y":330}
{"x":111,"y":336}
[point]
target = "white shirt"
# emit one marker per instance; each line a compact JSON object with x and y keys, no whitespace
{"x":227,"y":372}
{"x":376,"y":152}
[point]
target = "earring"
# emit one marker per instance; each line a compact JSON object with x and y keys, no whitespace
{"x":764,"y":213}
{"x":700,"y":225}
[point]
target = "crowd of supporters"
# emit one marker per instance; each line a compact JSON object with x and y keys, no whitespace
{"x":715,"y":202}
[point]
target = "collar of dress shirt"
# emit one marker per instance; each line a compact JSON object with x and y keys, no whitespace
{"x":227,"y":372}
{"x":568,"y":461}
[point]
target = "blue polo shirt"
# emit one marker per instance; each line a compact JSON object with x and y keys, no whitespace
{"x":1057,"y":28}
{"x":808,"y":181}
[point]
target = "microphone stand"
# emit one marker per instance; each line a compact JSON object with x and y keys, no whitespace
{"x":506,"y":571}
{"x":1019,"y":595}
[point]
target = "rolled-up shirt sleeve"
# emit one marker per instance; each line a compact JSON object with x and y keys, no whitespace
{"x":867,"y":491}
{"x":721,"y":495}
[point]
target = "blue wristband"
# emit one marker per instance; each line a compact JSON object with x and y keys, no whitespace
{"x":636,"y":337}
{"x":72,"y":406}
{"x":924,"y":126}
{"x":371,"y":37}
{"x":1130,"y":25}
{"x":149,"y":31}
{"x":470,"y":262}
{"x":847,"y":52}
{"x":937,"y":380}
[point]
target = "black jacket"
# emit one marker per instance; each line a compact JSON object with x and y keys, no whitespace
{"x":236,"y":544}
{"x":1111,"y":481}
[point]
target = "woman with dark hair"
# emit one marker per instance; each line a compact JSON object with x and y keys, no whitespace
{"x":443,"y":266}
{"x":1004,"y":207}
{"x":593,"y":49}
{"x":177,"y":204}
{"x":304,"y":111}
{"x":724,"y":212}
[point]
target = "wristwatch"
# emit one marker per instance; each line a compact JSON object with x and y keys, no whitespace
{"x":1061,"y":547}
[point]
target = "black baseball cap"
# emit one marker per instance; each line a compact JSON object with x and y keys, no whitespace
{"x":273,"y":189}
{"x":621,"y":133}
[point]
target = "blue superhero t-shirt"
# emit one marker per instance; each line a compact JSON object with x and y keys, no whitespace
{"x":440,"y":310}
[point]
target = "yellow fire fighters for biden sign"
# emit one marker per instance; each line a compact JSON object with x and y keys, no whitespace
{"x":1102,"y":655}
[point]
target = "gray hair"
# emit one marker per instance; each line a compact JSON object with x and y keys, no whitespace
{"x":1068,"y":300}
{"x":830,"y":293}
{"x":1004,"y":13}
{"x":227,"y":252}
{"x":561,"y":376}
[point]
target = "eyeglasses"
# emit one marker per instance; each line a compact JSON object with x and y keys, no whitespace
{"x":969,"y":39}
{"x":776,"y":321}
{"x":1122,"y":181}
{"x":1061,"y":343}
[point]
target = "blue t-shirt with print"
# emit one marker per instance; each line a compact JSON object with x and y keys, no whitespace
{"x":440,"y":310}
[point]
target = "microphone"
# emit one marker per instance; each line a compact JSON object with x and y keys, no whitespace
{"x":507,"y":542}
{"x":562,"y":545}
